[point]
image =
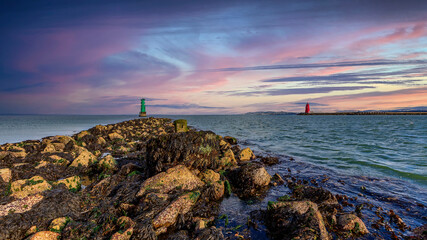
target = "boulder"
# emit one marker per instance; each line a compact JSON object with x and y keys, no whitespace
{"x":5,"y":174}
{"x":17,"y":152}
{"x":41,"y":164}
{"x":246,"y":155}
{"x":269,"y":161}
{"x":250,"y":180}
{"x":296,"y":219}
{"x":58,"y":224}
{"x":63,"y":139}
{"x":108,"y":163}
{"x":114,"y":136}
{"x":82,"y":134}
{"x":230,"y":140}
{"x":20,"y":205}
{"x":199,"y":150}
{"x":124,"y":235}
{"x":3,"y":154}
{"x":180,"y":125}
{"x":211,"y":233}
{"x":101,"y":141}
{"x":216,"y":190}
{"x":26,"y":187}
{"x":350,"y":222}
{"x":125,"y":222}
{"x":209,"y":176}
{"x":177,"y":177}
{"x":59,"y":147}
{"x":49,"y":148}
{"x":181,"y":205}
{"x":33,"y":229}
{"x":72,"y":183}
{"x":84,"y":159}
{"x":55,"y":159}
{"x":45,"y":235}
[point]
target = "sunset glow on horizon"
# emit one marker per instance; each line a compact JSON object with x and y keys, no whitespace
{"x":216,"y":57}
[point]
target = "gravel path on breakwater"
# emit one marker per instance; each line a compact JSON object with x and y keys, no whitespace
{"x":141,"y":179}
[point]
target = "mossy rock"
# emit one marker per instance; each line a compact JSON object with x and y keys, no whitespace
{"x":180,"y":125}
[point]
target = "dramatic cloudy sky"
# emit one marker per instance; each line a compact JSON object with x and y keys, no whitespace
{"x":206,"y":57}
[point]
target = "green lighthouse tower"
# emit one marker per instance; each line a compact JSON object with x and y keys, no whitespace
{"x":143,"y":113}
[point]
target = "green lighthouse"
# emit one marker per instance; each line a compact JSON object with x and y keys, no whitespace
{"x":143,"y":113}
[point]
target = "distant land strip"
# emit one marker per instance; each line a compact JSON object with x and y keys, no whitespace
{"x":367,"y":113}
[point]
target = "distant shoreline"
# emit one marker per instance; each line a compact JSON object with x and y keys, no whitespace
{"x":367,"y":113}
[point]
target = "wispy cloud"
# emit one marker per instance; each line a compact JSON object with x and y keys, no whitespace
{"x":379,"y":62}
{"x":183,"y":106}
{"x":290,"y":91}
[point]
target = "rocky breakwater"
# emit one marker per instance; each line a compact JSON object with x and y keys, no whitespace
{"x":139,"y":179}
{"x":151,"y":179}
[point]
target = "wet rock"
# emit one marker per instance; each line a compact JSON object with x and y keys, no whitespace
{"x":21,"y":205}
{"x":269,"y":161}
{"x":209,"y":176}
{"x":84,"y":159}
{"x":277,"y":179}
{"x":322,"y":197}
{"x":350,"y":222}
{"x":180,"y":235}
{"x":230,"y":140}
{"x":216,"y":190}
{"x":129,"y":168}
{"x":45,"y":235}
{"x":108,"y":163}
{"x":211,"y":233}
{"x":250,"y":180}
{"x":26,"y":187}
{"x":419,"y":233}
{"x":72,"y":183}
{"x":246,"y":155}
{"x":144,"y":230}
{"x":199,"y":150}
{"x":181,"y":205}
{"x":177,"y":177}
{"x":295,"y":219}
{"x":58,"y":224}
{"x":5,"y":174}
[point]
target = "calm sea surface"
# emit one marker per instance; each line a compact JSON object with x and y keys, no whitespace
{"x":387,"y":155}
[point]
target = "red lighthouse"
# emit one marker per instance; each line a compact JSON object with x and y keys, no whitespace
{"x":307,"y":108}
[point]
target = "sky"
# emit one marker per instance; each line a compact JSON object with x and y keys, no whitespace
{"x":211,"y":57}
